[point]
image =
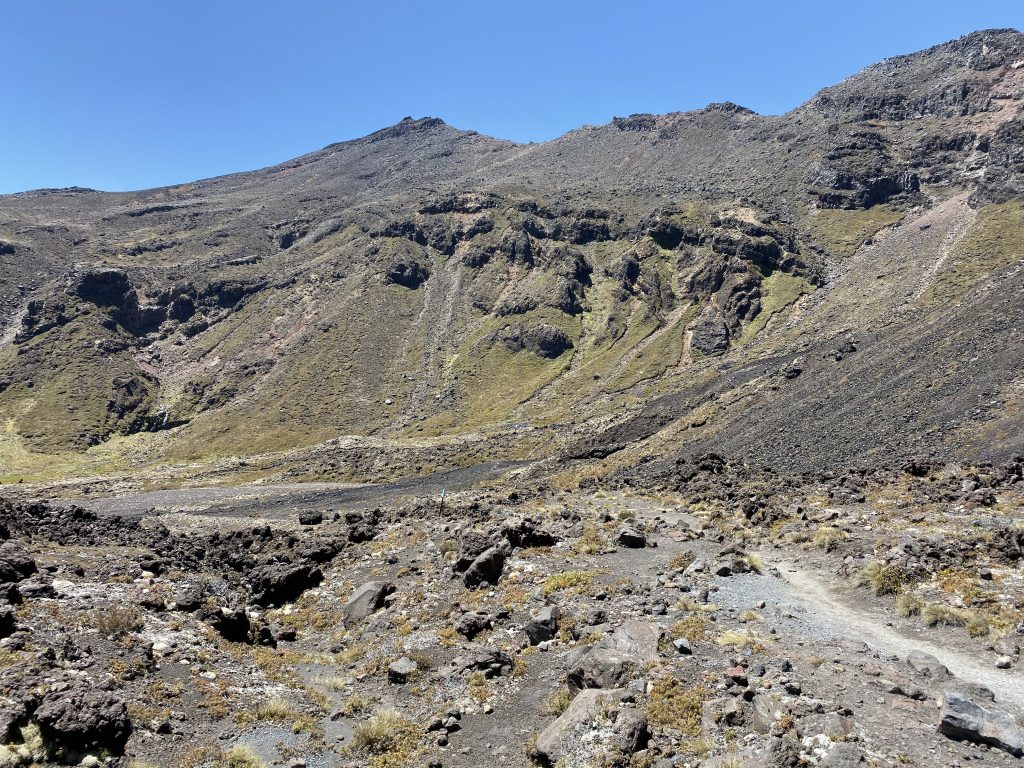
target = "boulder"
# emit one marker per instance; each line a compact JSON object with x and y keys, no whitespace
{"x":928,"y":666}
{"x":15,"y":563}
{"x":493,"y":663}
{"x":230,"y":623}
{"x":710,"y":336}
{"x":472,"y":544}
{"x":593,"y":727}
{"x":400,"y":671}
{"x":962,"y":719}
{"x":366,"y":600}
{"x":543,"y":624}
{"x":79,"y":716}
{"x":617,"y":659}
{"x":524,"y":532}
{"x":487,"y":568}
{"x":279,"y":583}
{"x":631,"y":538}
{"x":472,"y":624}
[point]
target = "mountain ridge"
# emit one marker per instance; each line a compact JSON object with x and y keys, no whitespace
{"x":453,"y":284}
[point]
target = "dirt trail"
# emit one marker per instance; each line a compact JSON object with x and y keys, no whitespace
{"x":818,"y":608}
{"x":810,"y":589}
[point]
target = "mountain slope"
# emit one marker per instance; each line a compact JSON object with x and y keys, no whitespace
{"x":836,"y":285}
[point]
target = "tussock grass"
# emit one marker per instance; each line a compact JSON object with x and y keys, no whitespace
{"x":387,"y":740}
{"x":675,"y":706}
{"x":558,"y":702}
{"x":116,"y":620}
{"x":740,"y":640}
{"x":882,"y":579}
{"x":692,"y":628}
{"x":908,"y":605}
{"x":828,"y":537}
{"x":934,"y":614}
{"x":567,"y":580}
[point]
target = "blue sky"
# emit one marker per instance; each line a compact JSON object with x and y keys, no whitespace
{"x":127,"y":95}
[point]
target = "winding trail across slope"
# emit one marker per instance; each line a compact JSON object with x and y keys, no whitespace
{"x":875,"y":628}
{"x":812,"y":605}
{"x":813,"y":608}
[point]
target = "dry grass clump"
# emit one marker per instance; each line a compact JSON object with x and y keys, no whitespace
{"x":567,"y":580}
{"x":882,"y":579}
{"x":681,"y":561}
{"x":116,"y":620}
{"x":692,"y":628}
{"x":387,"y":740}
{"x":279,"y":710}
{"x":242,"y":756}
{"x":558,"y":702}
{"x":591,"y":542}
{"x":478,"y":688}
{"x":908,"y":604}
{"x":828,"y":537}
{"x":691,"y":605}
{"x":934,"y":614}
{"x":356,"y":704}
{"x":748,"y":639}
{"x":675,"y":706}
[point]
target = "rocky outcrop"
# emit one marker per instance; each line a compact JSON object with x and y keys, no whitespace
{"x":961,"y":718}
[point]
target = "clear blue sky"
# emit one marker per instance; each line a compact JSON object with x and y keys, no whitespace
{"x":125,"y":95}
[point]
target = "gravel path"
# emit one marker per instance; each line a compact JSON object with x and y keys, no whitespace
{"x":810,"y":607}
{"x":275,"y":501}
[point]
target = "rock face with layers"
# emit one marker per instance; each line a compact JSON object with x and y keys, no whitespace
{"x":961,"y":718}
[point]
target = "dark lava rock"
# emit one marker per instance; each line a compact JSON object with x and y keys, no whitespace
{"x":15,"y":563}
{"x":525,"y":533}
{"x":8,"y":621}
{"x":278,"y":583}
{"x":365,"y":600}
{"x":543,"y":340}
{"x":472,"y":544}
{"x":631,"y":538}
{"x":543,"y":625}
{"x":962,"y":719}
{"x":310,"y":518}
{"x":408,"y":274}
{"x":711,"y":336}
{"x":472,"y":624}
{"x":230,"y":623}
{"x":79,"y":716}
{"x":487,"y":568}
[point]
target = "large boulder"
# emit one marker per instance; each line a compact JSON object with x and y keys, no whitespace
{"x":15,"y":563}
{"x":543,"y":624}
{"x":710,"y":335}
{"x":928,"y":666}
{"x":278,"y":583}
{"x":961,"y":718}
{"x":472,"y":544}
{"x":618,"y":658}
{"x":78,"y":716}
{"x":487,"y":568}
{"x":593,"y":727}
{"x":366,"y":600}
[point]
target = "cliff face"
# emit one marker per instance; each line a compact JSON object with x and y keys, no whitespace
{"x":836,"y":285}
